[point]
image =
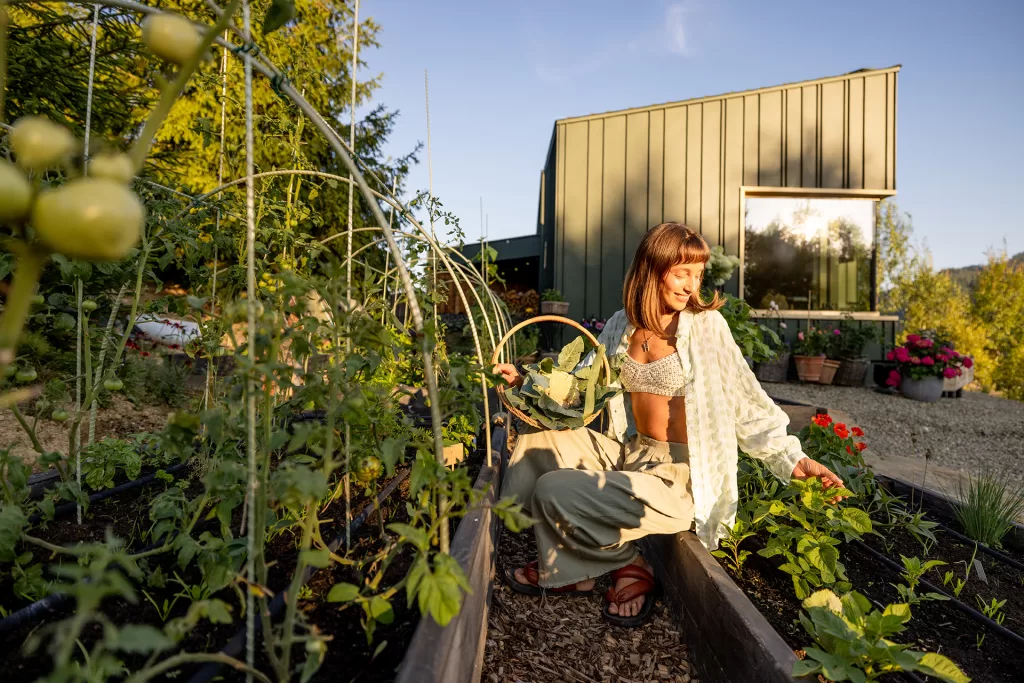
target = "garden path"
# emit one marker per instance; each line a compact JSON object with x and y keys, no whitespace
{"x":565,"y":639}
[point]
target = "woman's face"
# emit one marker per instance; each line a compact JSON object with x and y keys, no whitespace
{"x":680,"y":283}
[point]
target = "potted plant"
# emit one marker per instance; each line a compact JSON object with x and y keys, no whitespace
{"x":748,"y":334}
{"x":774,"y":369}
{"x":852,"y":341}
{"x":552,"y":303}
{"x":923,"y":365}
{"x":831,"y":364}
{"x":809,"y":353}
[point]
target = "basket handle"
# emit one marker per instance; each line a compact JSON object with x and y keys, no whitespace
{"x":554,"y":319}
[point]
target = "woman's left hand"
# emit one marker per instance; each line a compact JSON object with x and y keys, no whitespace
{"x":807,"y":468}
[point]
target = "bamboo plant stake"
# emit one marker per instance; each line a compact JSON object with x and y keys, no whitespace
{"x":250,"y":394}
{"x":348,"y":272}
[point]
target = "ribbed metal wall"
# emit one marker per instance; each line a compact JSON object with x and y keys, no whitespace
{"x":618,"y":174}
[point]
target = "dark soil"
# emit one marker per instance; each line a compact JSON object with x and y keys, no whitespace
{"x":936,"y":626}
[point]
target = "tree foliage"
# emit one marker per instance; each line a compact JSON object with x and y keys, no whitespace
{"x":987,"y":323}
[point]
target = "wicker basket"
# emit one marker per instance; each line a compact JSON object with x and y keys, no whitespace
{"x":500,"y":389}
{"x":773,"y":371}
{"x":852,"y":372}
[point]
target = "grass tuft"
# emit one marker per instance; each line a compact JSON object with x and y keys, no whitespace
{"x":988,"y":508}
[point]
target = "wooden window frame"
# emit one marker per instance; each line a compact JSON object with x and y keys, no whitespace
{"x":760,"y":192}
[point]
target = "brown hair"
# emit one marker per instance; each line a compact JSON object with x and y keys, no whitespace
{"x":663,"y":247}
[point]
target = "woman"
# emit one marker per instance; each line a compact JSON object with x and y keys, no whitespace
{"x":669,"y":459}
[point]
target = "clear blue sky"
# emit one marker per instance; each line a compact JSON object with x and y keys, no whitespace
{"x":502,"y":72}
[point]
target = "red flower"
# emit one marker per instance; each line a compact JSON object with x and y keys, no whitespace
{"x":913,"y":338}
{"x":950,"y":372}
{"x":925,"y":343}
{"x":915,"y":360}
{"x":822,"y":420}
{"x":841,"y":430}
{"x":891,"y":355}
{"x":968,"y":362}
{"x":857,"y":431}
{"x":928,"y":360}
{"x":848,"y":450}
{"x":894,"y":378}
{"x":144,"y":354}
{"x":861,"y":446}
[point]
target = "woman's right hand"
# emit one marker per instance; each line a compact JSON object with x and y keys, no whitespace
{"x":509,"y":373}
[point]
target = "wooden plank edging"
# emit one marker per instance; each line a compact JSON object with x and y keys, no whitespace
{"x":455,"y":653}
{"x":729,"y":639}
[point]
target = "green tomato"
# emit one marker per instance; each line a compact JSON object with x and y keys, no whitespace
{"x":309,"y":405}
{"x":94,"y":219}
{"x":367,"y":469}
{"x":113,"y":384}
{"x":39,"y":143}
{"x":15,"y":193}
{"x":112,"y":166}
{"x":88,"y":305}
{"x":59,"y":415}
{"x":170,"y":37}
{"x":26,"y":375}
{"x":38,"y":300}
{"x":10,"y":370}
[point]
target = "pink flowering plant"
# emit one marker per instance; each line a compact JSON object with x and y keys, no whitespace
{"x":812,"y":342}
{"x":922,"y":356}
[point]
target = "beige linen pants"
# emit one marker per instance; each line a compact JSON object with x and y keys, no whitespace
{"x":593,"y":496}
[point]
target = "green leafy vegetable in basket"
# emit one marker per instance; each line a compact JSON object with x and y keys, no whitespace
{"x":563,"y":395}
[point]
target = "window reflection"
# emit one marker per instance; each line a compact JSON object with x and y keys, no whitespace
{"x":798,"y":245}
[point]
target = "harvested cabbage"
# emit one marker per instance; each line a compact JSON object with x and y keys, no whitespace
{"x":564,"y":395}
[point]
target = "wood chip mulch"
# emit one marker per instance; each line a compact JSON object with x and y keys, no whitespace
{"x":561,"y":639}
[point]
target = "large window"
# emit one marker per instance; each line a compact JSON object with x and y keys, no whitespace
{"x":800,"y":248}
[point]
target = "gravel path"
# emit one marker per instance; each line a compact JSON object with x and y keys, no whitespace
{"x":977,"y":433}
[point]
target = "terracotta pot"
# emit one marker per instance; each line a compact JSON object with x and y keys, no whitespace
{"x":828,"y":371}
{"x":927,"y":390}
{"x":809,"y":367}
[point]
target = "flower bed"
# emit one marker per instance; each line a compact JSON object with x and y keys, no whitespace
{"x":790,"y":545}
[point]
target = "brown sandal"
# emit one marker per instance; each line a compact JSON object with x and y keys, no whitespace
{"x":531,"y":572}
{"x":644,"y":586}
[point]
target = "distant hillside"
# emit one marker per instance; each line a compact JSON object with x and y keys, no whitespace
{"x":967,"y":276}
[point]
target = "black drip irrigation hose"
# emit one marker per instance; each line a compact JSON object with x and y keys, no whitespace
{"x":236,"y":645}
{"x":953,"y":601}
{"x":1006,"y":559}
{"x":988,"y":550}
{"x":52,"y":602}
{"x":66,"y":508}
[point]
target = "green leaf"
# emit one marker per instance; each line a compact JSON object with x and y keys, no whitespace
{"x":343,"y":592}
{"x":512,"y":515}
{"x":569,"y":356}
{"x":857,"y":519}
{"x":934,"y":664}
{"x":141,"y":639}
{"x":824,"y":598}
{"x":409,"y":533}
{"x":439,"y":596}
{"x":392,"y":451}
{"x":317,"y":557}
{"x":379,"y":610}
{"x":805,"y":667}
{"x":278,"y":14}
